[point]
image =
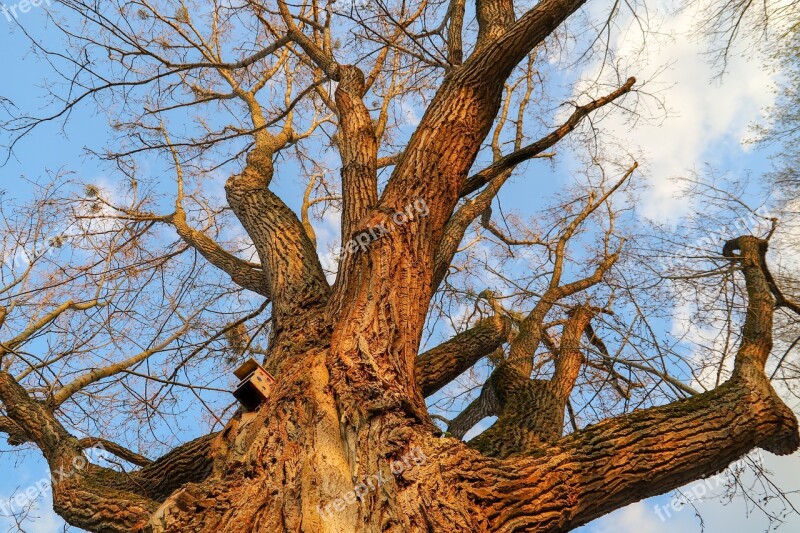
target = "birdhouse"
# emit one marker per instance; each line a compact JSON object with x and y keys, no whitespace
{"x":255,"y":384}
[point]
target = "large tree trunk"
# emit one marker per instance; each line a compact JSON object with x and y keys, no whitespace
{"x":311,"y":460}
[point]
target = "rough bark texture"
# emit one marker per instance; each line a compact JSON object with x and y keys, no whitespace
{"x":441,"y":365}
{"x":348,"y":405}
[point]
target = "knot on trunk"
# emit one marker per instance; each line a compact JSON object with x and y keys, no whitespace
{"x":351,"y":81}
{"x":257,"y":175}
{"x":785,"y":438}
{"x":259,"y":160}
{"x":778,"y":427}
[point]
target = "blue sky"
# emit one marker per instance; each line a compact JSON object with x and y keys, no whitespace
{"x":708,"y":123}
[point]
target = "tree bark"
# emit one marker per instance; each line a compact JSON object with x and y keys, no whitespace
{"x":344,"y":442}
{"x":303,"y":459}
{"x":441,"y":365}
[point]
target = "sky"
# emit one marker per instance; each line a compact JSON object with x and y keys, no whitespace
{"x":708,"y":124}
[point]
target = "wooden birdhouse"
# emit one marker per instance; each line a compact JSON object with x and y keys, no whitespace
{"x":255,"y":384}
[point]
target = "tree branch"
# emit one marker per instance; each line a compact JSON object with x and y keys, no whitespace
{"x":484,"y":405}
{"x":570,"y":358}
{"x":516,"y":369}
{"x":440,"y":365}
{"x":96,"y":374}
{"x":530,"y":151}
{"x":497,"y":174}
{"x":358,"y":147}
{"x":81,"y":494}
{"x":191,"y":462}
{"x":295,"y":276}
{"x":118,"y":450}
{"x":455,"y":45}
{"x":648,"y":452}
{"x":531,"y":411}
{"x":240,"y":272}
{"x":458,"y":224}
{"x":16,"y":435}
{"x":651,"y":451}
{"x":498,"y":58}
{"x":494,"y":18}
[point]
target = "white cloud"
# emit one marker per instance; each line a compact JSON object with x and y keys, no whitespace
{"x":708,"y":119}
{"x":328,"y":241}
{"x":634,"y":518}
{"x":479,"y":428}
{"x":715,"y":513}
{"x":410,"y":113}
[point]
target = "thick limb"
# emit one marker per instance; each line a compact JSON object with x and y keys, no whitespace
{"x":439,"y":366}
{"x":531,"y":411}
{"x":80,"y":493}
{"x":296,"y":279}
{"x":651,"y":451}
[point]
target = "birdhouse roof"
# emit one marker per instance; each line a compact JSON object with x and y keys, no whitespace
{"x":247,"y":368}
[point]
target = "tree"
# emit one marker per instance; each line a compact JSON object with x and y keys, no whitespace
{"x":345,"y":441}
{"x":781,"y":129}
